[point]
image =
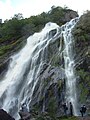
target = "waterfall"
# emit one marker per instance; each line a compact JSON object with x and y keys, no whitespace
{"x":71,"y":94}
{"x":20,"y":80}
{"x":25,"y":67}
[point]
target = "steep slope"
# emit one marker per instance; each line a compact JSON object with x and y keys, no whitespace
{"x":81,"y":35}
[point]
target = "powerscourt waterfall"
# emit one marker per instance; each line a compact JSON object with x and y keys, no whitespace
{"x":42,"y":75}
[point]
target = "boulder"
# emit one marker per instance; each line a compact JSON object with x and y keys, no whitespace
{"x":5,"y":116}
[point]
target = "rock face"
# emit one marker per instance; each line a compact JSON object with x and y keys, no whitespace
{"x":5,"y":116}
{"x":49,"y":91}
{"x":81,"y":34}
{"x":70,"y":15}
{"x":5,"y":57}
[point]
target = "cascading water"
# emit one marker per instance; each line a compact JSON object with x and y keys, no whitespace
{"x":71,"y":95}
{"x":19,"y":82}
{"x":25,"y":67}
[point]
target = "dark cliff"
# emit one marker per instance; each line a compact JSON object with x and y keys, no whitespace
{"x":81,"y":35}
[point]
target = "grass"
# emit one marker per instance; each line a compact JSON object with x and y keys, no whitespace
{"x":68,"y":118}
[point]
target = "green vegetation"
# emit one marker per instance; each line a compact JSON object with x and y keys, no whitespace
{"x":52,"y":108}
{"x":47,"y":117}
{"x":84,"y":85}
{"x":18,"y":27}
{"x":68,"y":118}
{"x":81,"y":31}
{"x":12,"y":31}
{"x":62,"y":118}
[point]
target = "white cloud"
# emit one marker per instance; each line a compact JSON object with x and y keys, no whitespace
{"x":33,"y":7}
{"x":6,"y":10}
{"x":28,"y":7}
{"x":78,"y":5}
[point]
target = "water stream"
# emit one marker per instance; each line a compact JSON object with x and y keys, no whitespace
{"x":18,"y":84}
{"x":71,"y":91}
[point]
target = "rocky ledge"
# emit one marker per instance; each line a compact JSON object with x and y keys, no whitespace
{"x":5,"y":116}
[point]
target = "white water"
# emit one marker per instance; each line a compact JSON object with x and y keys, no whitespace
{"x":71,"y":94}
{"x":21,"y":78}
{"x":19,"y":82}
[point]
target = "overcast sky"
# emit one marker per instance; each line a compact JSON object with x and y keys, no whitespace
{"x":33,"y":7}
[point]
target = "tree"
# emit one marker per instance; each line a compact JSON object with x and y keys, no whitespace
{"x":18,"y":16}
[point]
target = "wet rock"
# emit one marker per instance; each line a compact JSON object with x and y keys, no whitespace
{"x":5,"y":116}
{"x":49,"y":91}
{"x":70,"y":15}
{"x":4,"y":67}
{"x":24,"y":115}
{"x":52,"y":33}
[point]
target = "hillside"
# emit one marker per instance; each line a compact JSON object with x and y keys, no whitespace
{"x":81,"y":35}
{"x":13,"y":32}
